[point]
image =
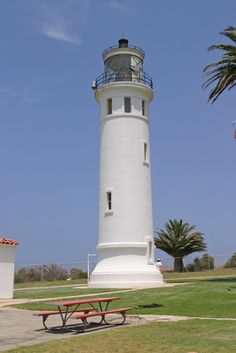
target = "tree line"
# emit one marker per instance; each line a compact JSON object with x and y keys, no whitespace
{"x":48,"y":273}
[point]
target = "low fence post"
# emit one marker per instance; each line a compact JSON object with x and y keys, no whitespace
{"x":88,"y":266}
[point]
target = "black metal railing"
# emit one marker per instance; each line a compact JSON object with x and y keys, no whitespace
{"x":140,"y":77}
{"x":129,"y":46}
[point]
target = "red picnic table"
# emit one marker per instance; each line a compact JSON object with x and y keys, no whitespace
{"x":74,"y":309}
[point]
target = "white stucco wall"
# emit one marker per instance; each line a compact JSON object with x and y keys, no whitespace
{"x":122,"y":169}
{"x":7,"y":258}
{"x":125,"y":247}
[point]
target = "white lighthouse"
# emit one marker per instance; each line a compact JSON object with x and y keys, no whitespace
{"x":125,"y":249}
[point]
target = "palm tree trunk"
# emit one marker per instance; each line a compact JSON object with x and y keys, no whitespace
{"x":178,"y":264}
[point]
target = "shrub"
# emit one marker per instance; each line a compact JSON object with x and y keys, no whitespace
{"x":231,"y":262}
{"x":77,"y":273}
{"x":206,"y":262}
{"x":40,"y":273}
{"x":28,"y":275}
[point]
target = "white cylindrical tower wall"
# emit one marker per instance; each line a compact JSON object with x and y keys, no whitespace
{"x":125,"y":248}
{"x":123,"y":169}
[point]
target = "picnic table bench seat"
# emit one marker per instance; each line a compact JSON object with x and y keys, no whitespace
{"x":83,"y":317}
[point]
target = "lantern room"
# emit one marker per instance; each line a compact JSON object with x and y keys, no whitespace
{"x":123,"y":62}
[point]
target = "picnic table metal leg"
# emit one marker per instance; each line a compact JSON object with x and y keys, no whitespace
{"x":66,"y":317}
{"x":44,"y":320}
{"x":96,"y":309}
{"x":123,"y":314}
{"x":85,"y":324}
{"x":106,"y":307}
{"x":63,"y":318}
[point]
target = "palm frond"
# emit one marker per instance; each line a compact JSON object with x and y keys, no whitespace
{"x":222,"y":72}
{"x":224,"y":47}
{"x":207,"y":70}
{"x":230,"y":32}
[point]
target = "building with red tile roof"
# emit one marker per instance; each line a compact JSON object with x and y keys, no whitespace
{"x":7,"y":263}
{"x":7,"y":241}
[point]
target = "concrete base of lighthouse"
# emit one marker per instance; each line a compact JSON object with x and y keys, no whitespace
{"x":125,"y":268}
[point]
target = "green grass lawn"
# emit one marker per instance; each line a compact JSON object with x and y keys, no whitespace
{"x":54,"y":292}
{"x":208,"y":298}
{"x":202,"y":336}
{"x":189,"y":276}
{"x":49,"y":283}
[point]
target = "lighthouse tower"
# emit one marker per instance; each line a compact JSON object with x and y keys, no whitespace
{"x":125,"y":249}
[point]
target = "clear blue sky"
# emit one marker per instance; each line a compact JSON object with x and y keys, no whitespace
{"x":50,"y":52}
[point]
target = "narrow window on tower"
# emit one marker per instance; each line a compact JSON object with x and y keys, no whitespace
{"x":109,"y":201}
{"x":127,"y":104}
{"x":109,"y":106}
{"x":145,"y":153}
{"x":143,"y":107}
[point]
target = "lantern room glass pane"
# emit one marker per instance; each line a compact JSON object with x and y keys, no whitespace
{"x":123,"y":67}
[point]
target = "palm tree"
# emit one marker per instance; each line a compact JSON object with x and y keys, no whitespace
{"x":222,"y":72}
{"x":179,"y":239}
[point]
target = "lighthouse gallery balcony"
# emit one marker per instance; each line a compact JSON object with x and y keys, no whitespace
{"x":140,"y":77}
